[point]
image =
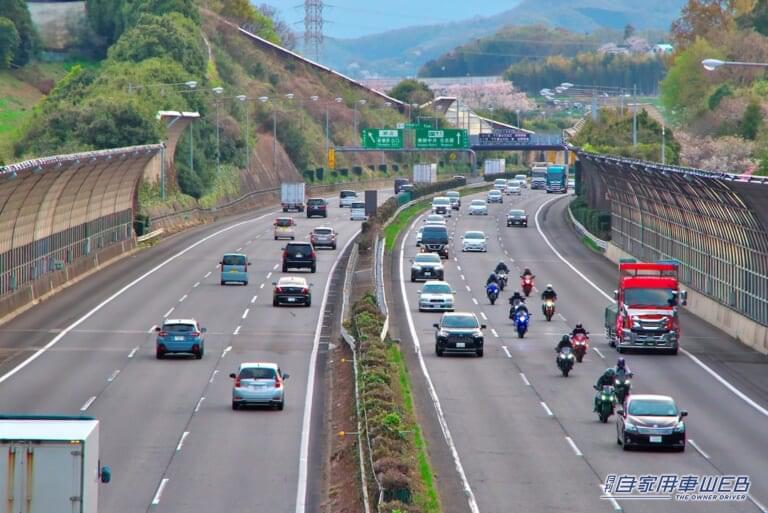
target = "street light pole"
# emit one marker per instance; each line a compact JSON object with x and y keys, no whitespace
{"x":244,"y":99}
{"x":663,"y":142}
{"x":634,"y":116}
{"x":217,"y":91}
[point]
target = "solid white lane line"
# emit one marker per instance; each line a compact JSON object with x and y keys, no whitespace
{"x":598,"y":352}
{"x":741,"y":395}
{"x":218,"y":265}
{"x":196,"y":285}
{"x":207,"y":274}
{"x":758,"y":504}
{"x":261,"y":286}
{"x":213,"y":375}
{"x":112,"y":377}
{"x":199,"y":404}
{"x":306,"y":424}
{"x":226,"y":350}
{"x":184,"y":435}
{"x":573,"y":446}
{"x":525,"y":380}
{"x":88,"y":403}
{"x":159,"y":492}
{"x":253,"y":299}
{"x":245,"y":314}
{"x":269,"y":274}
{"x":472,"y":502}
{"x":494,"y":333}
{"x":607,"y":495}
{"x":509,"y":355}
{"x":169,"y":312}
{"x":696,"y":446}
{"x":485,"y":317}
{"x":546,"y":409}
{"x":133,"y":352}
{"x":237,"y":331}
{"x":182,"y":298}
{"x":475,"y":301}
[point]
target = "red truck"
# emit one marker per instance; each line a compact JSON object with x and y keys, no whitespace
{"x":646,"y":313}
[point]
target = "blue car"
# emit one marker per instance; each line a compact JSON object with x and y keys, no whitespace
{"x":234,"y":268}
{"x":180,"y":336}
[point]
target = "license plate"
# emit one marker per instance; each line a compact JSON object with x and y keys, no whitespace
{"x":291,"y":299}
{"x":655,"y":439}
{"x":298,"y":255}
{"x":178,"y":338}
{"x":233,"y":270}
{"x":427,"y":273}
{"x":460,"y":345}
{"x":258,"y":386}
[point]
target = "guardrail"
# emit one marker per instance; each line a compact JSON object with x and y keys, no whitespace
{"x":381,"y":296}
{"x":600,"y":243}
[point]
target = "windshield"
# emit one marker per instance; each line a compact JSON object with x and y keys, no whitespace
{"x":494,"y":193}
{"x":516,"y":212}
{"x":179,"y":328}
{"x":460,"y":321}
{"x":649,"y":297}
{"x":323,"y":231}
{"x":441,"y":201}
{"x":478,"y":203}
{"x":427,"y":258}
{"x":500,"y":181}
{"x":474,"y":235}
{"x":234,"y":260}
{"x":436,"y":288}
{"x":435,"y":218}
{"x":435,"y":232}
{"x":284,"y":222}
{"x":257,"y":374}
{"x":652,"y":408}
{"x":358,"y":205}
{"x":347,"y":194}
{"x":452,"y":194}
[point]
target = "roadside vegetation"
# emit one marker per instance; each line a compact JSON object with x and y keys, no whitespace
{"x":597,"y":222}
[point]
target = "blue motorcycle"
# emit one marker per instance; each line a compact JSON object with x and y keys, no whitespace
{"x":492,"y":291}
{"x":522,"y":318}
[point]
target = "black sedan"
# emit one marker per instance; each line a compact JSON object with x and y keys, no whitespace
{"x":650,"y":421}
{"x":517,"y":217}
{"x":292,"y":290}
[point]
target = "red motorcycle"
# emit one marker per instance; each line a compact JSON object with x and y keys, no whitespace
{"x":580,"y":343}
{"x":526,"y":283}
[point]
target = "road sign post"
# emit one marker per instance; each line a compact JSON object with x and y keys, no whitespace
{"x":332,"y":158}
{"x":381,"y":139}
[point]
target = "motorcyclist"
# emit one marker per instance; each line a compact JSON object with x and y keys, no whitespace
{"x":517,"y":303}
{"x":492,"y":278}
{"x":622,"y":369}
{"x":579,"y":329}
{"x":549,"y":293}
{"x":565,"y":341}
{"x":527,"y":274}
{"x":501,"y":267}
{"x":606,"y":378}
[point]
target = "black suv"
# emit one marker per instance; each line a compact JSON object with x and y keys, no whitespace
{"x":299,"y":255}
{"x":459,"y":332}
{"x":434,"y":239}
{"x":317,"y":207}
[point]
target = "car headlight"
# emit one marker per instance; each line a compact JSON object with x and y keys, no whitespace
{"x":477,"y":335}
{"x":628,"y":426}
{"x":680,"y":427}
{"x":636,"y":322}
{"x":416,"y":268}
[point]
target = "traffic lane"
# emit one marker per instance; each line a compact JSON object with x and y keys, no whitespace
{"x":483,"y":407}
{"x":676,"y":376}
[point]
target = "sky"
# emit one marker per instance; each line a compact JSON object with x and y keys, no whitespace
{"x":353,"y":18}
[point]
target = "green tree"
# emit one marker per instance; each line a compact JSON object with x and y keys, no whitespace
{"x":751,"y":121}
{"x":9,"y":42}
{"x":685,"y":88}
{"x":29,"y":41}
{"x":756,"y":19}
{"x":104,"y":17}
{"x":132,"y":11}
{"x":412,"y":91}
{"x":247,"y":16}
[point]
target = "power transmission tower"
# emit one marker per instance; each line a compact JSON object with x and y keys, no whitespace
{"x":313,"y":28}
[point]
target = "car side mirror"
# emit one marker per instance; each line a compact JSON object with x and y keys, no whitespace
{"x":203,"y":330}
{"x":436,"y":325}
{"x":482,"y":326}
{"x":684,"y":297}
{"x":221,"y":263}
{"x":250,"y":263}
{"x":683,"y":413}
{"x":158,"y":329}
{"x":286,"y":376}
{"x":105,"y":474}
{"x":233,"y":375}
{"x":418,"y":292}
{"x":620,"y":412}
{"x":274,"y":283}
{"x":615,"y":294}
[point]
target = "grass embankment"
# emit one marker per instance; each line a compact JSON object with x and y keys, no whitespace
{"x":226,"y":186}
{"x":399,"y":452}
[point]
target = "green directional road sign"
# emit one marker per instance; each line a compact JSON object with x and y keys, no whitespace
{"x":449,"y":138}
{"x":381,"y":139}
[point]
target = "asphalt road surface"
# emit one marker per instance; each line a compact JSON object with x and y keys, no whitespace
{"x":526,"y":438}
{"x":167,"y":427}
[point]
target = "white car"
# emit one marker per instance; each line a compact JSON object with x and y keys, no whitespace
{"x":500,"y":184}
{"x":442,"y":205}
{"x":436,"y":296}
{"x":478,"y":208}
{"x":514,"y":190}
{"x":357,"y":211}
{"x":474,"y":241}
{"x":435,"y":219}
{"x":494,"y":196}
{"x":346,"y":198}
{"x":523,"y":181}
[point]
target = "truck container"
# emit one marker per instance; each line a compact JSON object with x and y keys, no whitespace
{"x":52,"y":464}
{"x":557,"y":179}
{"x":292,"y":196}
{"x":539,"y":175}
{"x":646,"y":313}
{"x":494,"y":166}
{"x":424,"y":173}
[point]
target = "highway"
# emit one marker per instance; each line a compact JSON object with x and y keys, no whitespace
{"x":167,"y":427}
{"x":525,"y":437}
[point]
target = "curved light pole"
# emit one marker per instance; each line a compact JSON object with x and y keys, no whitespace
{"x":217,"y":91}
{"x":713,"y":64}
{"x":243,"y":98}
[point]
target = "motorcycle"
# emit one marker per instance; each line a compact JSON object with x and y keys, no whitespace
{"x":580,"y":343}
{"x":502,"y":280}
{"x":606,"y":401}
{"x":549,"y":309}
{"x":521,"y":322}
{"x":526,"y":283}
{"x":492,"y":291}
{"x":565,"y":360}
{"x":623,"y":383}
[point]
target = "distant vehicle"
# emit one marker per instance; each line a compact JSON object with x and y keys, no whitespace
{"x":357,"y":211}
{"x":299,"y":255}
{"x":346,"y":198}
{"x":517,"y":217}
{"x":323,"y":236}
{"x":399,"y":182}
{"x":291,"y":290}
{"x":539,"y":176}
{"x":258,"y":384}
{"x":424,"y":173}
{"x":441,"y":205}
{"x":494,"y":166}
{"x":474,"y":241}
{"x":284,"y":228}
{"x":234,"y":268}
{"x":478,"y":208}
{"x":436,"y":296}
{"x":317,"y":207}
{"x":427,"y":266}
{"x":514,"y":190}
{"x":571,"y":183}
{"x":180,"y":336}
{"x":292,"y":196}
{"x":455,"y":198}
{"x":500,"y":184}
{"x":435,"y":239}
{"x":650,"y":421}
{"x":494,"y":196}
{"x":460,"y":178}
{"x":557,"y":177}
{"x":407,"y":187}
{"x":434,"y":219}
{"x":523,"y":180}
{"x":459,"y":332}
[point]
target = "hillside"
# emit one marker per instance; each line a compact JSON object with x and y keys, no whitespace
{"x":403,"y":52}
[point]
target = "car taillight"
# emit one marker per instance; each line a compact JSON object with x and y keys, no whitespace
{"x":163,"y":334}
{"x":237,"y":381}
{"x":322,"y":207}
{"x":285,"y":253}
{"x":278,"y":383}
{"x":313,"y":255}
{"x":278,"y":289}
{"x":195,"y":334}
{"x":305,"y":290}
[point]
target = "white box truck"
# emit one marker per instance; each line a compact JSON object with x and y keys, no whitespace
{"x":52,"y":464}
{"x":292,"y":196}
{"x":539,"y":175}
{"x":424,"y":173}
{"x":494,"y":167}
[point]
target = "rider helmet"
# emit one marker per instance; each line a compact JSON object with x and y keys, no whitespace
{"x":620,"y":363}
{"x":549,"y":286}
{"x":610,"y":372}
{"x":579,"y":326}
{"x":565,"y":338}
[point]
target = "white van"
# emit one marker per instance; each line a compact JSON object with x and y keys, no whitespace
{"x":357,"y":211}
{"x":346,"y":198}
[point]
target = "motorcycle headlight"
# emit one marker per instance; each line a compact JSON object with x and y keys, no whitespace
{"x":570,"y":356}
{"x":680,"y":427}
{"x":628,"y":426}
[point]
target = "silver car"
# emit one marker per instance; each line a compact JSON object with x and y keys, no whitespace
{"x":495,"y":196}
{"x":260,"y":384}
{"x":474,"y":241}
{"x":455,"y":198}
{"x":514,"y":190}
{"x":478,"y":208}
{"x":523,"y":179}
{"x":436,"y":296}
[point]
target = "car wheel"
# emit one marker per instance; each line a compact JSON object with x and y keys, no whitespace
{"x":438,"y":351}
{"x":479,"y":353}
{"x":681,"y":449}
{"x":413,"y":279}
{"x":313,"y":269}
{"x":275,"y":237}
{"x":245,"y":283}
{"x":199,"y":354}
{"x":235,"y":406}
{"x":275,"y":302}
{"x":285,"y":268}
{"x":309,"y":303}
{"x":280,"y":406}
{"x":673,"y":351}
{"x":333,"y":247}
{"x":222,"y":282}
{"x":159,"y":354}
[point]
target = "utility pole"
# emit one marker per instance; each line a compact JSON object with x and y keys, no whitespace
{"x":192,"y":146}
{"x":663,"y":142}
{"x":634,"y":116}
{"x":274,"y":138}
